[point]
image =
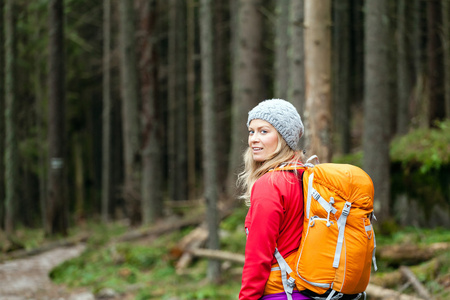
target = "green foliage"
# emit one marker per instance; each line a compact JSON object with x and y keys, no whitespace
{"x":414,"y":235}
{"x":428,"y":148}
{"x":145,"y":269}
{"x":236,"y":220}
{"x":233,"y":237}
{"x":352,"y":159}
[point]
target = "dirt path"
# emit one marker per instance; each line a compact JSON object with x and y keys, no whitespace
{"x":27,"y":278}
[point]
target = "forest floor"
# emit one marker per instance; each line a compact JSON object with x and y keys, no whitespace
{"x":28,"y":278}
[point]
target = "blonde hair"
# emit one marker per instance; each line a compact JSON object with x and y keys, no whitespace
{"x":253,"y":170}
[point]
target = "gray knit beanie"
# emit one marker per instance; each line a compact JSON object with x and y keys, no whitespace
{"x":283,"y":116}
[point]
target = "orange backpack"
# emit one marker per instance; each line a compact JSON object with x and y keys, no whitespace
{"x":338,"y":241}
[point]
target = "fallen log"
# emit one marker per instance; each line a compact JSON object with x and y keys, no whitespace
{"x":192,"y":241}
{"x":169,"y":225}
{"x":161,"y":228}
{"x":197,"y":238}
{"x":219,"y":255}
{"x":44,"y":248}
{"x":393,"y":278}
{"x":410,"y":254}
{"x":376,"y":292}
{"x":418,"y":286}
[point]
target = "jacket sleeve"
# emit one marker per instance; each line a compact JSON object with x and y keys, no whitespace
{"x":263,"y":223}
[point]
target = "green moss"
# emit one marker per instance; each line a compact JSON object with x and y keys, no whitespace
{"x":427,"y":148}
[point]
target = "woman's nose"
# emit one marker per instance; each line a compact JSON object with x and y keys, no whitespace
{"x":254,"y":137}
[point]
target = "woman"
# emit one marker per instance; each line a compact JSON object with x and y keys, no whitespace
{"x":275,"y":218}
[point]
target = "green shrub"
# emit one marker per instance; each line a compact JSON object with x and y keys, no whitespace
{"x":427,"y":148}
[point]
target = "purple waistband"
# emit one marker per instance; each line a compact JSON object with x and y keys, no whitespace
{"x":282,"y":296}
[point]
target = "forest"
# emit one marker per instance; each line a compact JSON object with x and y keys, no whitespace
{"x":126,"y":121}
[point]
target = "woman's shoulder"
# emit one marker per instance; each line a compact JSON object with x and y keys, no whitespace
{"x":277,"y":177}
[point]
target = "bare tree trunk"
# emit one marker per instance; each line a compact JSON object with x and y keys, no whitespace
{"x":2,"y":109}
{"x":181,"y":115}
{"x":171,"y":98}
{"x":446,"y":43}
{"x":419,"y":109}
{"x":39,"y":89}
{"x":152,"y":201}
{"x":248,"y":80}
{"x":376,"y":104}
{"x":106,"y":116}
{"x":79,"y":178}
{"x":281,"y":47}
{"x":190,"y":98}
{"x":392,"y":55}
{"x":296,"y":50}
{"x":177,"y":133}
{"x":209,"y":133}
{"x":341,"y":76}
{"x":130,"y":102}
{"x":10,"y":157}
{"x":357,"y":55}
{"x":318,"y":77}
{"x":56,"y":208}
{"x":434,"y":63}
{"x":222,"y":60}
{"x":403,"y":74}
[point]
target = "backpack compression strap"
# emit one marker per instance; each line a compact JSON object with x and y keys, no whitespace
{"x":288,"y":283}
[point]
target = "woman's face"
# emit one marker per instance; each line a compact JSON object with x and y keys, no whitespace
{"x":262,"y":139}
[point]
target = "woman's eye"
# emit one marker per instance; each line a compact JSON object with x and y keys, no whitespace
{"x":251,"y":132}
{"x":263,"y":131}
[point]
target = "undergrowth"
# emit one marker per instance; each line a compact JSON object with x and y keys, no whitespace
{"x":146,"y":270}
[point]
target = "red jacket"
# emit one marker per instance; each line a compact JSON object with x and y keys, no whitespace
{"x":275,"y":219}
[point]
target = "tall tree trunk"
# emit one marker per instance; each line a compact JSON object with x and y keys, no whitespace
{"x":419,"y":109}
{"x":296,"y":50}
{"x":171,"y":98}
{"x":446,"y":43}
{"x":190,"y":99}
{"x":39,"y":80}
{"x":209,"y":133}
{"x":392,"y":64}
{"x":181,"y":115}
{"x":79,"y":171}
{"x":130,"y":102}
{"x":11,"y":164}
{"x":281,"y":47}
{"x":357,"y":55}
{"x":152,"y":201}
{"x":106,"y":116}
{"x":376,"y":104}
{"x":56,"y":208}
{"x":341,"y":76}
{"x":177,"y":133}
{"x":318,"y":77}
{"x":248,"y":80}
{"x":434,"y":63}
{"x":2,"y":109}
{"x":403,"y":74}
{"x":222,"y":60}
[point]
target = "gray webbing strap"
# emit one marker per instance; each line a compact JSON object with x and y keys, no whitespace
{"x":309,"y":195}
{"x":341,"y":225}
{"x":288,"y":283}
{"x":326,"y":205}
{"x":374,"y":260}
{"x":331,"y":294}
